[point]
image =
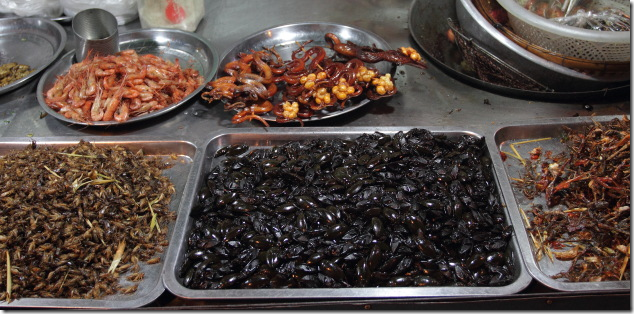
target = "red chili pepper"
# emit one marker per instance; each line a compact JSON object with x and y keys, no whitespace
{"x":174,"y":12}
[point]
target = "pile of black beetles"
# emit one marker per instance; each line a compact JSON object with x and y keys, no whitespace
{"x":412,"y":209}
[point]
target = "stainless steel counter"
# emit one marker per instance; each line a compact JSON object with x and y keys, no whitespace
{"x":425,"y":98}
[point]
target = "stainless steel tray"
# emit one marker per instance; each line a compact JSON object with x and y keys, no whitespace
{"x":256,"y":137}
{"x":32,"y":41}
{"x":151,"y":287}
{"x":285,"y":39}
{"x":512,"y":168}
{"x":191,"y":50}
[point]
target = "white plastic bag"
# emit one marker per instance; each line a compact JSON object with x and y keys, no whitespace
{"x":45,"y":8}
{"x":5,"y":6}
{"x":124,"y":10}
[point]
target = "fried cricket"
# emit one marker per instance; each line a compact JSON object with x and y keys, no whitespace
{"x":76,"y":219}
{"x":592,"y":182}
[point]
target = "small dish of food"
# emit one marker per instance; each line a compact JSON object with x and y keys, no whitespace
{"x":156,"y":71}
{"x":306,"y":72}
{"x":42,"y":38}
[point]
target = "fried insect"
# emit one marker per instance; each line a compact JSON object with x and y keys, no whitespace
{"x":307,"y":83}
{"x":12,"y":71}
{"x":592,"y":182}
{"x":75,"y":219}
{"x":405,"y":55}
{"x":412,"y":209}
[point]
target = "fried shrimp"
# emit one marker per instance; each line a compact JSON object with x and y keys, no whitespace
{"x":121,"y":86}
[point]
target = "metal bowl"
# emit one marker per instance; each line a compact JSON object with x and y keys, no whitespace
{"x":428,"y":26}
{"x":43,"y":39}
{"x":286,"y":38}
{"x":191,"y":50}
{"x":554,"y":76}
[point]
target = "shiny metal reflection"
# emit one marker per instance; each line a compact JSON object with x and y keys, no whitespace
{"x":96,"y":33}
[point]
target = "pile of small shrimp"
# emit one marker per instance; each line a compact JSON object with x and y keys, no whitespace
{"x":308,"y":83}
{"x":120,"y":86}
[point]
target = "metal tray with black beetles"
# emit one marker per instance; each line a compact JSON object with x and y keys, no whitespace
{"x":264,"y":139}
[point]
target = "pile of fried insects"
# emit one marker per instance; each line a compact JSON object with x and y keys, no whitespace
{"x":77,"y":220}
{"x":586,"y":218}
{"x":12,"y":71}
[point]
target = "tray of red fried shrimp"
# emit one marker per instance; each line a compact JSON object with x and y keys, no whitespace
{"x":156,"y":71}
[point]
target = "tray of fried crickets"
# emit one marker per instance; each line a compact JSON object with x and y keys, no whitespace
{"x":85,"y":223}
{"x":570,"y":182}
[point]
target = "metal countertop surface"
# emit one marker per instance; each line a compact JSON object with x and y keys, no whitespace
{"x":428,"y":97}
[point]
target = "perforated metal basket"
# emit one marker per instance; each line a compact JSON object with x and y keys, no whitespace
{"x":575,"y":42}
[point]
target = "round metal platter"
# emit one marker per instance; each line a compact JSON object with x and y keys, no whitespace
{"x":62,"y":19}
{"x":286,"y":38}
{"x":191,"y":50}
{"x":31,"y":41}
{"x":428,"y":25}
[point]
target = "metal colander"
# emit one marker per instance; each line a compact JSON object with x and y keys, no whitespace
{"x":570,"y":41}
{"x":576,"y":60}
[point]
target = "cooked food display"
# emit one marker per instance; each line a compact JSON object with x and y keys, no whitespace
{"x":412,"y":209}
{"x":121,"y":86}
{"x":12,"y":71}
{"x":261,"y":82}
{"x":586,"y":218}
{"x":77,"y":220}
